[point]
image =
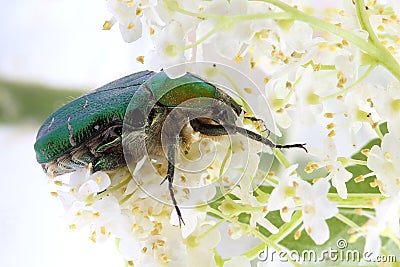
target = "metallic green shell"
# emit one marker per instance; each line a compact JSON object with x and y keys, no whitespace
{"x":84,"y":117}
{"x":173,"y":92}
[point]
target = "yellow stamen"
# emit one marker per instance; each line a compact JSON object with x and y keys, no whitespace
{"x":107,"y":25}
{"x":297,"y":235}
{"x":140,"y":59}
{"x":330,"y":126}
{"x":359,"y":179}
{"x":331,"y":133}
{"x":248,"y":90}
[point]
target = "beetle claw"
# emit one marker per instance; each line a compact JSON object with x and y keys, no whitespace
{"x":163,"y":181}
{"x":180,"y":218}
{"x":293,"y":145}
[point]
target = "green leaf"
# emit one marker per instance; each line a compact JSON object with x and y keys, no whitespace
{"x":31,"y":102}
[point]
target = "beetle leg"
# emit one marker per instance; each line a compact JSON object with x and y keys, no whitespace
{"x":109,"y":161}
{"x":170,"y":178}
{"x":216,"y":130}
{"x":262,"y":139}
{"x":102,"y":147}
{"x":208,"y":129}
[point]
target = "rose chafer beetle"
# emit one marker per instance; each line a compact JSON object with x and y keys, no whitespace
{"x":126,"y":119}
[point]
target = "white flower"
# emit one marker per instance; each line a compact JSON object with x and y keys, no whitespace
{"x":299,"y":37}
{"x":192,"y":217}
{"x":236,"y":230}
{"x":345,"y":56}
{"x":127,"y":13}
{"x":349,"y":110}
{"x":387,"y":104}
{"x":295,"y":47}
{"x":231,"y":34}
{"x":277,"y":95}
{"x":245,"y":194}
{"x":339,"y":176}
{"x":166,"y":11}
{"x":384,"y":161}
{"x":200,"y":246}
{"x":337,"y":173}
{"x":385,"y":221}
{"x":316,"y":209}
{"x":162,"y":249}
{"x":108,"y":219}
{"x":357,"y":106}
{"x":83,"y":184}
{"x":373,"y":241}
{"x":308,"y":98}
{"x":282,"y":197}
{"x":169,"y":47}
{"x":130,"y":248}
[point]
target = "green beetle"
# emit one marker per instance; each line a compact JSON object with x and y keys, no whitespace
{"x":76,"y":134}
{"x":125,"y":119}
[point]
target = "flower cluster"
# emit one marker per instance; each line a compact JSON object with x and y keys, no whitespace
{"x":136,"y":210}
{"x":317,"y":66}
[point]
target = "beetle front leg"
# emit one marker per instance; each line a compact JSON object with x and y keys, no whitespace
{"x":217,"y":129}
{"x":170,"y":177}
{"x":208,"y":129}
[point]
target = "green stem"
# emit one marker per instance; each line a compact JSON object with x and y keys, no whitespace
{"x":126,"y":198}
{"x":218,"y":259}
{"x":341,"y":92}
{"x":364,"y":22}
{"x":378,"y":132}
{"x":265,"y":240}
{"x":284,"y":231}
{"x":393,"y":238}
{"x":384,"y":56}
{"x":355,"y":200}
{"x":224,"y":19}
{"x":202,"y":39}
{"x":221,"y":171}
{"x":320,"y":67}
{"x":110,"y":190}
{"x":216,"y":226}
{"x":346,"y":221}
{"x":357,"y":162}
{"x":281,"y":158}
{"x":323,"y":25}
